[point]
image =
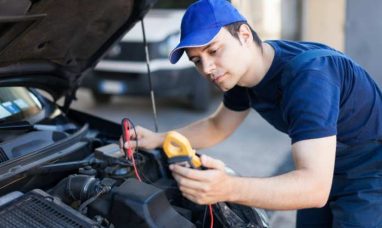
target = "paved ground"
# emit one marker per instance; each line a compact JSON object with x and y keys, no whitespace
{"x":255,"y":149}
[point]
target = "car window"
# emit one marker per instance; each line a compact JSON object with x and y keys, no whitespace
{"x":17,"y":104}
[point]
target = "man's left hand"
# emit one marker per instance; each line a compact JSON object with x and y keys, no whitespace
{"x":204,"y":186}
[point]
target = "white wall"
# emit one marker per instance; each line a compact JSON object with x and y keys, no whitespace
{"x":263,"y":15}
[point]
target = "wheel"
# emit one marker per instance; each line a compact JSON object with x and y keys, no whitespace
{"x":101,"y":98}
{"x":201,"y":94}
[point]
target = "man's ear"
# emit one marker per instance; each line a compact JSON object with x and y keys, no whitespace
{"x":245,"y":34}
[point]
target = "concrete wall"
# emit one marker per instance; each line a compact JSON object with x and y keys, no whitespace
{"x":291,"y":19}
{"x":363,"y":34}
{"x":324,"y":21}
{"x":263,"y":15}
{"x":352,"y":26}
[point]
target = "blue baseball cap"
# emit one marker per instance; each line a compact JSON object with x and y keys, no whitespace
{"x":202,"y":22}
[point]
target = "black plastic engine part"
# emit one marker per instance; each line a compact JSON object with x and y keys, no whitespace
{"x":240,"y":216}
{"x":80,"y":187}
{"x":138,"y":204}
{"x":30,"y":142}
{"x":38,"y":209}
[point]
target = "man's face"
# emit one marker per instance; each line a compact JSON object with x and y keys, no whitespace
{"x":224,"y":61}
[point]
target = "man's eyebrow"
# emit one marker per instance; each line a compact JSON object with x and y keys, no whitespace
{"x":209,"y":45}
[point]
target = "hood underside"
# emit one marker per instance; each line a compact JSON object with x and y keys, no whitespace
{"x":48,"y":44}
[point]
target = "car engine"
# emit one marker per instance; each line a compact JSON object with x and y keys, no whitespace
{"x":77,"y":176}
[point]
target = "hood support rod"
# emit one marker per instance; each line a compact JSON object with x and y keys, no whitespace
{"x":149,"y":77}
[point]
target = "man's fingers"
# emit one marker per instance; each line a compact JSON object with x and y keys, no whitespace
{"x":212,"y":163}
{"x":131,"y":144}
{"x":195,"y":174}
{"x":132,"y":133}
{"x":194,"y":198}
{"x":189,"y":197}
{"x":138,"y":133}
{"x":185,"y":183}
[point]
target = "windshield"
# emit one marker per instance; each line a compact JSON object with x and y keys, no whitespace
{"x":17,"y":104}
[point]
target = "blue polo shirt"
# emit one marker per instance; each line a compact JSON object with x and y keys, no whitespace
{"x":328,"y":96}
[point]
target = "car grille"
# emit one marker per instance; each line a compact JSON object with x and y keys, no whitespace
{"x":34,"y":210}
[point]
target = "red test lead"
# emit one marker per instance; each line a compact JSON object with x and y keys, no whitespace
{"x":126,"y":138}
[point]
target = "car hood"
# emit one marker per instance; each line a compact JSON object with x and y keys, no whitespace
{"x":49,"y":44}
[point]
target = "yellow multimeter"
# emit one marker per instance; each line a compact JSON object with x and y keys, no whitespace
{"x":178,"y":150}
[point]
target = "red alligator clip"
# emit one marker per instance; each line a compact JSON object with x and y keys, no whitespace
{"x":126,"y":137}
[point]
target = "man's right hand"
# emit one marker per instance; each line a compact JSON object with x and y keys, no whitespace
{"x":146,"y":138}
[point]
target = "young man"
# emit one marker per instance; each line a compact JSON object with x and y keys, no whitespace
{"x":326,"y":103}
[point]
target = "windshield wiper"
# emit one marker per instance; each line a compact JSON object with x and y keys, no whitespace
{"x":20,"y":125}
{"x":24,"y":125}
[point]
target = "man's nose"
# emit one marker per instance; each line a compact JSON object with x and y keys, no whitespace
{"x":208,"y":66}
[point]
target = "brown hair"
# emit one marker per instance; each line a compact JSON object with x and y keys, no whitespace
{"x":234,"y":28}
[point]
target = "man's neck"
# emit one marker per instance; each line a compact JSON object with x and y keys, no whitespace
{"x":268,"y":56}
{"x":263,"y":58}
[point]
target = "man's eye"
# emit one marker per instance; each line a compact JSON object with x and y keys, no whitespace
{"x":196,"y":61}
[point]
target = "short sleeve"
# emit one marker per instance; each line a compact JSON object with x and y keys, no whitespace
{"x":236,"y":99}
{"x":310,"y":105}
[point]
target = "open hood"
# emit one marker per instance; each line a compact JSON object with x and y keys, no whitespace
{"x":48,"y":44}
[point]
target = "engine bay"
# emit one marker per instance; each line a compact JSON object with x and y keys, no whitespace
{"x":69,"y":171}
{"x":99,"y":190}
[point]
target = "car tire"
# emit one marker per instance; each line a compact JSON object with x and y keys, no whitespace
{"x":201,"y":94}
{"x":101,"y":98}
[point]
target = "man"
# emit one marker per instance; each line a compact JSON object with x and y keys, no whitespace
{"x":326,"y":103}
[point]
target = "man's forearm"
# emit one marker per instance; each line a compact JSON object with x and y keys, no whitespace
{"x":294,"y":190}
{"x":215,"y":128}
{"x":203,"y":133}
{"x":198,"y":133}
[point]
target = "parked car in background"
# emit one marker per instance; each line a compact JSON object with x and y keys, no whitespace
{"x":123,"y":70}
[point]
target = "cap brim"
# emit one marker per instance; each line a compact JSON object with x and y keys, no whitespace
{"x":199,"y":39}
